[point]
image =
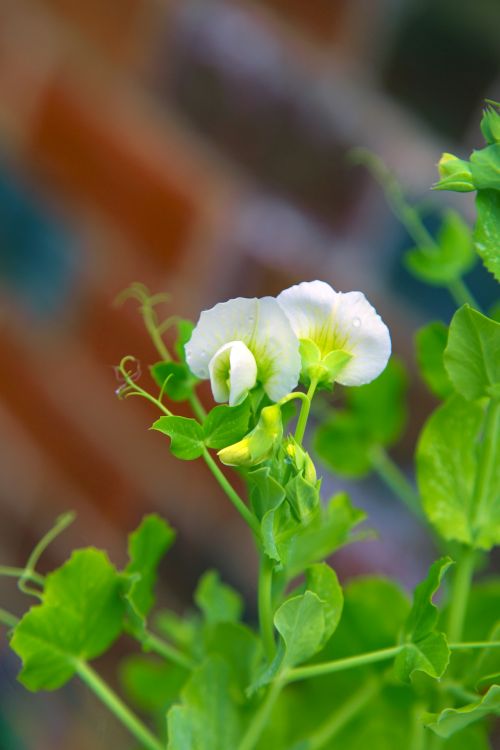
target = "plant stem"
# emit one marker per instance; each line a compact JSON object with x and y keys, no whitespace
{"x":409,"y":217}
{"x":304,"y":412}
{"x":419,"y":733}
{"x":460,"y":594}
{"x":338,"y":665}
{"x":197,"y":407}
{"x":117,"y":707}
{"x":265,"y":605}
{"x":236,"y":500}
{"x":462,"y":294}
{"x":259,"y":721}
{"x":473,"y":644}
{"x":483,"y":496}
{"x":62,"y":522}
{"x":342,"y":716}
{"x":8,"y":619}
{"x":151,"y":642}
{"x":7,"y":570}
{"x":394,"y":478}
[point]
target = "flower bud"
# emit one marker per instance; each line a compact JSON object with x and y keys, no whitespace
{"x":490,"y":125}
{"x":455,"y":174}
{"x":259,"y":444}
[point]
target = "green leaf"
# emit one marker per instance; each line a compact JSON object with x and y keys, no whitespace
{"x":323,"y":581}
{"x":180,"y":381}
{"x":472,"y":357}
{"x":226,"y":425}
{"x":301,"y":623}
{"x":375,"y":416}
{"x":217,"y":601}
{"x":267,"y":498}
{"x":146,"y":547}
{"x":329,"y":530}
{"x":447,"y":466}
{"x":344,"y":446}
{"x":453,"y":257}
{"x":452,"y":720}
{"x":303,"y":496}
{"x":153,"y":685}
{"x":240,"y":647}
{"x":207,"y":718}
{"x":184,"y":331}
{"x":430,"y":343}
{"x":485,"y":167}
{"x":186,"y":436}
{"x":80,"y":617}
{"x":487,"y":230}
{"x":426,"y":650}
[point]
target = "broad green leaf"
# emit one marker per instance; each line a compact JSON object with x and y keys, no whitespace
{"x":430,"y":343}
{"x":487,"y":230}
{"x":447,"y":466}
{"x":453,"y":257}
{"x":301,"y":623}
{"x":426,"y":650}
{"x":375,"y":610}
{"x":375,"y":415}
{"x":452,"y":720}
{"x":207,"y":718}
{"x":240,"y":647}
{"x":146,"y":546}
{"x":184,"y":632}
{"x":217,"y":601}
{"x":226,"y":425}
{"x":267,"y":497}
{"x":81,"y":615}
{"x":152,"y":684}
{"x":329,"y":530}
{"x":184,"y":332}
{"x":485,"y":167}
{"x":472,"y":356}
{"x":343,"y":446}
{"x":323,"y":581}
{"x":175,"y":378}
{"x":186,"y":436}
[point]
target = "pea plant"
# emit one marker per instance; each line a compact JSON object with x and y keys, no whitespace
{"x":326,"y":666}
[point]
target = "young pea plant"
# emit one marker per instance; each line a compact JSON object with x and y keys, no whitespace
{"x":326,"y":666}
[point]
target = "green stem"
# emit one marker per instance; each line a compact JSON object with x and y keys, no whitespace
{"x":8,"y":619}
{"x":117,"y":707}
{"x":265,"y":605}
{"x":304,"y":412}
{"x":342,"y":716}
{"x":136,"y":390}
{"x":409,"y":217}
{"x":483,"y":496}
{"x":152,"y":327}
{"x":236,"y":500}
{"x":197,"y":407}
{"x":260,"y":719}
{"x":460,"y":594}
{"x":62,"y":522}
{"x":151,"y":642}
{"x":7,"y":570}
{"x":419,"y":734}
{"x":464,"y":646}
{"x":394,"y":478}
{"x":462,"y":294}
{"x":339,"y":665}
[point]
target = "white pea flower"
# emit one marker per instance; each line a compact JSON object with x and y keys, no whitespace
{"x":332,"y":324}
{"x":242,"y":342}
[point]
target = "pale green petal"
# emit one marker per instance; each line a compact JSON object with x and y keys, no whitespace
{"x":233,"y":372}
{"x":337,"y":321}
{"x":264,"y":329}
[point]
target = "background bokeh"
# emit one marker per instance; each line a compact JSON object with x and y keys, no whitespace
{"x":199,"y":146}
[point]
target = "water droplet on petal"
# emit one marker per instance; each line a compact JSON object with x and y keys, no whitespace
{"x":356,"y":322}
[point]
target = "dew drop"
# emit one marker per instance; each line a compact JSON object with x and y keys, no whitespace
{"x":356,"y":322}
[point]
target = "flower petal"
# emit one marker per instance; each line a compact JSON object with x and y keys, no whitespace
{"x":233,"y":372}
{"x":338,"y":321}
{"x":263,"y":327}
